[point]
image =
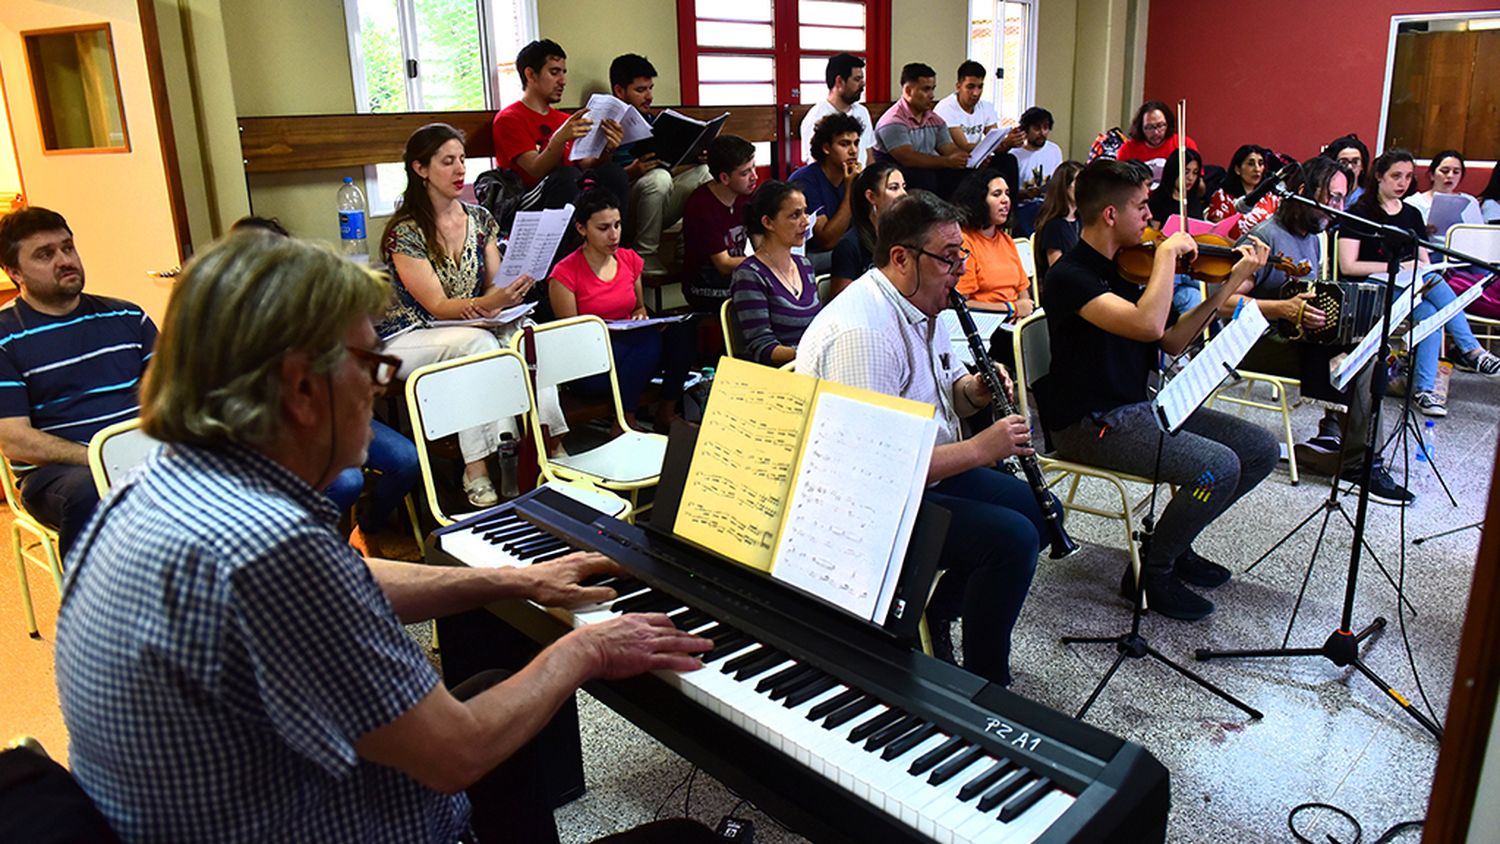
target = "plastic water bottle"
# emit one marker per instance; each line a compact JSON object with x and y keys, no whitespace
{"x":1428,"y":451}
{"x":510,"y":467}
{"x":352,"y":222}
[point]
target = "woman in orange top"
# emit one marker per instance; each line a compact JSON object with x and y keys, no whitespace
{"x":994,"y":279}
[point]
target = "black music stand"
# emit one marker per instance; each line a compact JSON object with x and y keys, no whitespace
{"x":1133,"y":644}
{"x":1342,"y":645}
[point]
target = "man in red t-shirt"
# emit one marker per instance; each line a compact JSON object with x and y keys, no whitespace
{"x":534,"y":139}
{"x":713,"y":223}
{"x":1153,"y":138}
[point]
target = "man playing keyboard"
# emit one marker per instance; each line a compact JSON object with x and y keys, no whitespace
{"x":229,"y":669}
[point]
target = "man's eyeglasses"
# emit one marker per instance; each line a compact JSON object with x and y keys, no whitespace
{"x":383,"y":368}
{"x":954,"y":264}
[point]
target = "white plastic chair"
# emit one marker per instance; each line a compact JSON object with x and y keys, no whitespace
{"x":575,"y":348}
{"x":116,"y":450}
{"x":453,"y":395}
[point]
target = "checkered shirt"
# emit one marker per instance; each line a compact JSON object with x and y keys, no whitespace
{"x":869,"y":336}
{"x":219,"y":652}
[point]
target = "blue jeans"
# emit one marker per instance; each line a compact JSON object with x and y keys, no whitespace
{"x":989,"y":556}
{"x":395,"y":458}
{"x":1186,"y":294}
{"x":1425,"y":361}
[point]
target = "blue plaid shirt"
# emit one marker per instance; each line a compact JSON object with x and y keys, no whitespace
{"x":219,"y":652}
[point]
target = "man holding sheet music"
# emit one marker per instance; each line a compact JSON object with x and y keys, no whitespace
{"x":882,"y":333}
{"x":658,"y":193}
{"x":534,"y":139}
{"x":1106,"y":336}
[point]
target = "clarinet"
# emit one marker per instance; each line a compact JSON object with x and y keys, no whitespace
{"x":1062,"y":544}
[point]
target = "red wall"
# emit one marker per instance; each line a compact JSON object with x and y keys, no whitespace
{"x":1292,"y":75}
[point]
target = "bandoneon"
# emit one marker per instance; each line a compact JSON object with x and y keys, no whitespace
{"x":1352,"y":309}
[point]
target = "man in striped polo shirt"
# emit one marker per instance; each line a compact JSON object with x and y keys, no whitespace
{"x":70,"y":364}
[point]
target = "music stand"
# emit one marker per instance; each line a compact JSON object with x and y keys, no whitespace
{"x":1133,"y":644}
{"x":1342,"y":645}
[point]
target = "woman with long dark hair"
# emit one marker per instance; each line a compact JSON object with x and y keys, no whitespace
{"x":444,"y":257}
{"x":1444,"y":173}
{"x":1166,"y":197}
{"x":1388,"y":180}
{"x":993,"y":278}
{"x":1351,"y":152}
{"x":1057,"y":226}
{"x":1246,"y":168}
{"x":1153,"y":137}
{"x":876,"y":187}
{"x":1489,"y":198}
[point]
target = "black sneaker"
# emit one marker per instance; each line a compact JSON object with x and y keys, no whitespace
{"x":1167,"y":595}
{"x":1385,"y":490}
{"x":1196,"y":570}
{"x":1319,"y":455}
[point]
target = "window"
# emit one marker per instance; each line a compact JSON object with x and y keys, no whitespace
{"x":1442,"y":80}
{"x":433,"y":55}
{"x":1002,"y":37}
{"x":76,"y":87}
{"x":767,"y":52}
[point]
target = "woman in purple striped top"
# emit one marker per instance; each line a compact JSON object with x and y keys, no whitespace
{"x":773,"y":293}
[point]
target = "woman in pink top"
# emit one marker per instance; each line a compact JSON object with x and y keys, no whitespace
{"x":602,"y":279}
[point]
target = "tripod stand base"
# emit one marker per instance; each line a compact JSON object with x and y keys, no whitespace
{"x":1342,"y":649}
{"x":1135,"y":646}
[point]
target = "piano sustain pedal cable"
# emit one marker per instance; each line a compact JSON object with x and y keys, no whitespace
{"x":1385,"y":837}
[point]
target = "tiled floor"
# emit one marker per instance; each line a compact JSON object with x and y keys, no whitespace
{"x":1328,"y":735}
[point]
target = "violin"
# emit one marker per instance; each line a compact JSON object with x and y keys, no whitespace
{"x":1216,"y":258}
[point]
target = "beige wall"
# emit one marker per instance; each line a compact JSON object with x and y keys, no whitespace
{"x":1057,"y":30}
{"x":1106,"y":68}
{"x":10,"y":174}
{"x":594,"y":33}
{"x":934,"y":32}
{"x":116,"y":203}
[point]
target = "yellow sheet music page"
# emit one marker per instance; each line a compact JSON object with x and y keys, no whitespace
{"x":742,"y":465}
{"x":915,"y":408}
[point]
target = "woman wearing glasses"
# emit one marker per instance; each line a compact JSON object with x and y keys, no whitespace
{"x":444,"y":256}
{"x":1153,"y":138}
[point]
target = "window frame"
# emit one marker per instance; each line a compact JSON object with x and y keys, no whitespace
{"x":785,"y":50}
{"x":993,"y":85}
{"x":1390,"y":69}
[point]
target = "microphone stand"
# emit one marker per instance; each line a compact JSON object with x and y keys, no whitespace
{"x":1342,"y":645}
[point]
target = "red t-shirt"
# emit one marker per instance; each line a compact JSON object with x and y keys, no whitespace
{"x":604,"y":298}
{"x":518,"y":130}
{"x":1154,"y":157}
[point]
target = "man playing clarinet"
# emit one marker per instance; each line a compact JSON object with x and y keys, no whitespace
{"x":1107,"y":335}
{"x":882,"y":334}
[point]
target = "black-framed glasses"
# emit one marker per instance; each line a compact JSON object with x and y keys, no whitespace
{"x":954,"y":265}
{"x":383,"y":368}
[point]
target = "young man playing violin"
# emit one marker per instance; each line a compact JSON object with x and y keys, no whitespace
{"x":1338,"y":448}
{"x":1106,"y":336}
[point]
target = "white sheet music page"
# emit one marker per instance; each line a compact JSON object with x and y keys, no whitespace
{"x":1342,"y":371}
{"x":850,"y":513}
{"x":602,"y":107}
{"x":1424,"y":329}
{"x":1203,"y":374}
{"x":533,"y":241}
{"x":986,"y":321}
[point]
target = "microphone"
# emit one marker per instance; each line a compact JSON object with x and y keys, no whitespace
{"x":1249,"y":200}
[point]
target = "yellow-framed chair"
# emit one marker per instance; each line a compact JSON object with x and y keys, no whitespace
{"x":449,"y":396}
{"x":44,"y":540}
{"x":726,"y":324}
{"x":115,"y":450}
{"x":1481,"y":241}
{"x":571,"y":349}
{"x":1033,"y":351}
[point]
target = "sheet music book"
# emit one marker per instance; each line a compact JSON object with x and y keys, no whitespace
{"x":534,"y":238}
{"x":815,"y":483}
{"x":1447,"y":211}
{"x":987,"y":146}
{"x":1424,"y":329}
{"x":1203,"y":374}
{"x":633,"y":324}
{"x":505,"y":317}
{"x":1342,"y":371}
{"x":988,"y":322}
{"x":602,"y":107}
{"x":678,"y":139}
